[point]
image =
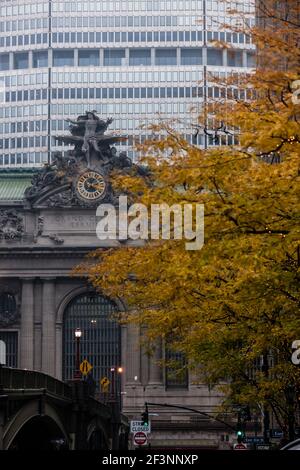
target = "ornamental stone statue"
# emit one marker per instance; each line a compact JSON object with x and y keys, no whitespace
{"x":87,"y":135}
{"x":81,"y":176}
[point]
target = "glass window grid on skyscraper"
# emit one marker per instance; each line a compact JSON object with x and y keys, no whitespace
{"x":137,"y":61}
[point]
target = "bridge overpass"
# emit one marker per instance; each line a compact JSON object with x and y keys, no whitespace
{"x":38,"y":411}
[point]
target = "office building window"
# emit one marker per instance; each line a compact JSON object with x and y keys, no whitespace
{"x":191,"y":56}
{"x":235,"y":58}
{"x":40,"y":59}
{"x":140,"y":57}
{"x":63,"y":58}
{"x":88,"y":58}
{"x":166,"y":57}
{"x":214,"y":57}
{"x":114,"y":57}
{"x":21,"y":60}
{"x":251,"y":59}
{"x":4,"y":62}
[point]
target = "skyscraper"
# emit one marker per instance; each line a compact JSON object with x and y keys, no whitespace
{"x":137,"y":61}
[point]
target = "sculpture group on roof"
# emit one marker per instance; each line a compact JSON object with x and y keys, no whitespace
{"x":88,"y":137}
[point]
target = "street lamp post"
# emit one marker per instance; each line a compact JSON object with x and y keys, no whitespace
{"x":114,"y":382}
{"x":115,"y":406}
{"x":77,"y":374}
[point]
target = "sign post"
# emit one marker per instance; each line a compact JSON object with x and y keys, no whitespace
{"x":240,"y":446}
{"x":138,"y":426}
{"x":85,"y":367}
{"x":140,"y":438}
{"x":105,"y":383}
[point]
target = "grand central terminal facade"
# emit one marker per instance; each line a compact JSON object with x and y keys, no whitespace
{"x":47,"y":226}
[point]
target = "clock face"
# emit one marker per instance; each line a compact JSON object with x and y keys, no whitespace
{"x":91,"y":186}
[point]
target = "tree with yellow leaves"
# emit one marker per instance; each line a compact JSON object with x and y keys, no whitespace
{"x":232,"y":307}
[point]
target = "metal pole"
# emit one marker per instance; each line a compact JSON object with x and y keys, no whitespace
{"x":77,"y":354}
{"x":113,"y":371}
{"x":77,"y":374}
{"x":266,"y":413}
{"x":193,"y":411}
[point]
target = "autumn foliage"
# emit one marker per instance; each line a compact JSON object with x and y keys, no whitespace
{"x":232,"y":307}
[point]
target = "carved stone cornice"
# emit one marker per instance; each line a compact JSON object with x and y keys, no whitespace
{"x":11,"y":224}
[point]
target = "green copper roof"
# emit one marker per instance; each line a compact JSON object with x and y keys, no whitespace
{"x":13,"y":183}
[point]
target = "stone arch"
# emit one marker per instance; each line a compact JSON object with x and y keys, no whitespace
{"x":97,"y":316}
{"x":59,"y":323}
{"x":75,"y":293}
{"x":29,"y":411}
{"x":96,"y":425}
{"x":65,"y":301}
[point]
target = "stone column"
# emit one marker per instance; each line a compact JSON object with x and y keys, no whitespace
{"x":133,"y":355}
{"x":144,"y":358}
{"x":48,"y":327}
{"x":123,"y":355}
{"x":155,"y":369}
{"x":37,"y":326}
{"x":27,"y":314}
{"x":58,"y":351}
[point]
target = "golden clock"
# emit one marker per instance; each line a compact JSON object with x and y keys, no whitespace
{"x":91,"y":186}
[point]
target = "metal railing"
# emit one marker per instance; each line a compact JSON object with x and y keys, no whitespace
{"x":19,"y":379}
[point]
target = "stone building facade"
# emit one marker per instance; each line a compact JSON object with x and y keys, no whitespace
{"x":46,"y":229}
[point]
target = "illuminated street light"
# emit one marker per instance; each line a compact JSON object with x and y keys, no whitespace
{"x":78,"y":335}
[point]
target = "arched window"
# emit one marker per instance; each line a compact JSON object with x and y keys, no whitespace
{"x":100,"y":343}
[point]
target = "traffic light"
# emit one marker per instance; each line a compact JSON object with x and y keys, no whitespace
{"x":240,"y":429}
{"x":145,"y":417}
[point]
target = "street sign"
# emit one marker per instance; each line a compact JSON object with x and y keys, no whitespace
{"x":276,"y":433}
{"x":85,"y":367}
{"x":240,"y":446}
{"x":263,"y":447}
{"x":140,"y":439}
{"x":254,"y":440}
{"x":137,"y":426}
{"x":105,"y":383}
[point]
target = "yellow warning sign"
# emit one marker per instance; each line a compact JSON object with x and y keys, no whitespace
{"x":85,"y":367}
{"x":105,"y":382}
